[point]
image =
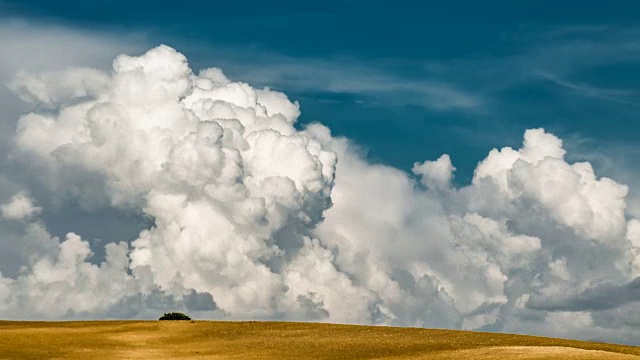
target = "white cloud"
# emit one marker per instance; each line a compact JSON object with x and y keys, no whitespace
{"x":570,"y":192}
{"x":20,"y":207}
{"x":231,"y":184}
{"x":633,"y":235}
{"x":435,"y":174}
{"x":44,"y":57}
{"x":253,"y":218}
{"x":52,"y":88}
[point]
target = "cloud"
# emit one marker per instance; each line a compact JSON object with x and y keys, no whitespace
{"x":435,"y":174}
{"x":527,"y":225}
{"x":615,"y":95}
{"x":20,"y":207}
{"x":600,"y":297}
{"x":45,"y":49}
{"x":44,"y":46}
{"x":182,"y":148}
{"x":569,"y":192}
{"x":351,"y":76}
{"x":253,"y":217}
{"x":68,"y":85}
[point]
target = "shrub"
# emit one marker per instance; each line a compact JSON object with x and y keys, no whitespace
{"x":174,"y":316}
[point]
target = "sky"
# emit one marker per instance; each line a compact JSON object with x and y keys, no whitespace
{"x":458,"y":165}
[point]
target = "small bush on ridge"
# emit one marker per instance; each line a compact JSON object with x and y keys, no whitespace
{"x":174,"y":316}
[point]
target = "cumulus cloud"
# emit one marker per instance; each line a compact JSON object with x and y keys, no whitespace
{"x":56,"y":87}
{"x":20,"y":207}
{"x":435,"y":174}
{"x":571,"y":193}
{"x":253,"y":217}
{"x":601,"y":297}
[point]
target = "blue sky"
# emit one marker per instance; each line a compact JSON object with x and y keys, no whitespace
{"x":408,"y":80}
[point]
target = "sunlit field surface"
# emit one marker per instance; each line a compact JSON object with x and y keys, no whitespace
{"x":278,"y":340}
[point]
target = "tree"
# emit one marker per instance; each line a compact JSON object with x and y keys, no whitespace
{"x":174,"y":316}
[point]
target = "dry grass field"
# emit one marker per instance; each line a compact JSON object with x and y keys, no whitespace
{"x":278,"y":340}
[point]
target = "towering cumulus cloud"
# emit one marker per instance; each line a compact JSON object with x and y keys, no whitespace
{"x":251,"y":217}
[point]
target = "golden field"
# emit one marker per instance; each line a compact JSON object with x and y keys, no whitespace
{"x":279,"y":340}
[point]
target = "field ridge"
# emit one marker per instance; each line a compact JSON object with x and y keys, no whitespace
{"x":280,"y":340}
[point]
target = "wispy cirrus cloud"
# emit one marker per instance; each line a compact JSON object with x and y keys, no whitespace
{"x":350,"y":76}
{"x":555,"y":53}
{"x":586,"y":90}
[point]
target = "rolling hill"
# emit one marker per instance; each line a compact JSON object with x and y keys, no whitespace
{"x":279,"y":340}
